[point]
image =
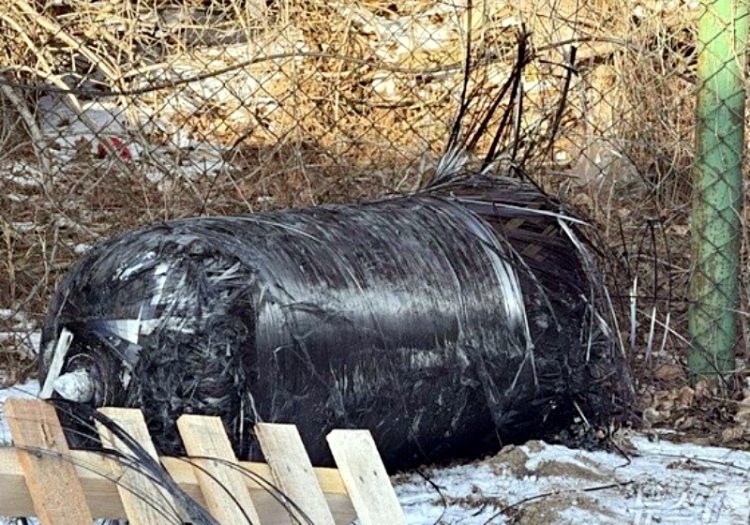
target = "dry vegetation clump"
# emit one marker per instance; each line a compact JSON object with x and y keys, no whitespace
{"x":118,"y":113}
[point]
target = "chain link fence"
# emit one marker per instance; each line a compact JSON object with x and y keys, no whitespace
{"x":124,"y":112}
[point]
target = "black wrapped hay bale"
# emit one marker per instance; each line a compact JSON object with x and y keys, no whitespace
{"x":445,"y":322}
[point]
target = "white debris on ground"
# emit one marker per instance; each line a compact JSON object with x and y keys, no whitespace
{"x":97,"y":122}
{"x":659,"y":483}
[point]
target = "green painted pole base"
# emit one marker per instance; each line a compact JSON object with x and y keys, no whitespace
{"x":717,"y":187}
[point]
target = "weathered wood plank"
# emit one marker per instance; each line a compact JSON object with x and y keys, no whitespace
{"x":50,"y":477}
{"x":144,"y":501}
{"x":364,"y":475}
{"x":223,"y":487}
{"x":104,"y":499}
{"x":285,"y":453}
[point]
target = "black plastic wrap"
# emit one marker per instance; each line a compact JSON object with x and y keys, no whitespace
{"x":445,"y":322}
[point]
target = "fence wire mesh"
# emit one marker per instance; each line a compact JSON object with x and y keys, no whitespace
{"x":117,"y":113}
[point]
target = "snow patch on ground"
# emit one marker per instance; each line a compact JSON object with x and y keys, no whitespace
{"x":659,"y":483}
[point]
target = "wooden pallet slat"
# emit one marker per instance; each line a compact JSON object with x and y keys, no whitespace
{"x":52,"y":480}
{"x":294,"y":475}
{"x":88,"y":484}
{"x":224,"y":488}
{"x":365,"y":477}
{"x":104,"y":500}
{"x":142,"y":498}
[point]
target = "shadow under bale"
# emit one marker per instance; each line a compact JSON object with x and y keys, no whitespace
{"x":446,"y":322}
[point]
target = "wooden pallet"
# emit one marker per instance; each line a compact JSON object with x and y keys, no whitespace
{"x":40,"y":476}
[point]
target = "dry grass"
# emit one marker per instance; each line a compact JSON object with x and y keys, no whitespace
{"x":306,"y":102}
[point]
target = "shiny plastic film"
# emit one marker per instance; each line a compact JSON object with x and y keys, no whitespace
{"x":447,"y":322}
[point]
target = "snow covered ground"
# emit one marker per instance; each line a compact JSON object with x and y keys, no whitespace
{"x":540,"y":483}
{"x":660,"y":483}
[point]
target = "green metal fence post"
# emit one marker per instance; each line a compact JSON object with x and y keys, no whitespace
{"x":717,"y":186}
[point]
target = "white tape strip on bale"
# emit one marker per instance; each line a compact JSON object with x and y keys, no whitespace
{"x":58,"y":360}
